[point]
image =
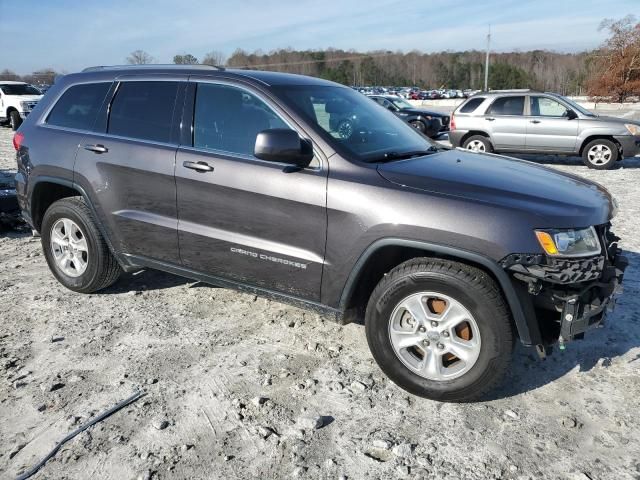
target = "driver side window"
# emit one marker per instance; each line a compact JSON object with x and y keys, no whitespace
{"x":229,"y":119}
{"x":546,"y":107}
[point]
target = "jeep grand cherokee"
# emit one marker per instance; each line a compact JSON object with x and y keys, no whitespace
{"x":237,"y":178}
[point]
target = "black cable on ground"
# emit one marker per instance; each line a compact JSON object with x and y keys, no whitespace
{"x":81,"y":429}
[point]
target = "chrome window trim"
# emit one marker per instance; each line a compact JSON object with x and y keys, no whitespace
{"x":277,"y":110}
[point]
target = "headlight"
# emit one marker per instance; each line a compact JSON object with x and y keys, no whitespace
{"x":569,"y":243}
{"x":633,"y":129}
{"x":25,"y":106}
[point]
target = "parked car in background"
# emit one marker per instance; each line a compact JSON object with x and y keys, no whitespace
{"x":429,"y":122}
{"x":17,"y":99}
{"x":524,"y":121}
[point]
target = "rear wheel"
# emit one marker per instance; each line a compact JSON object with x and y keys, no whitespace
{"x":14,"y":120}
{"x":478,"y":143}
{"x":600,"y":154}
{"x":440,"y":329}
{"x":76,"y":252}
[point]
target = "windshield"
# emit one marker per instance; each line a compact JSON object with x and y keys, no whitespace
{"x":353,"y":124}
{"x":19,"y":89}
{"x":400,"y":102}
{"x":577,"y":107}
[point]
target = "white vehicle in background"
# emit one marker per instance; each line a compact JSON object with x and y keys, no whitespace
{"x":17,"y":99}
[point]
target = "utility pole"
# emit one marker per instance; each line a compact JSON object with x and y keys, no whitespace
{"x":486,"y":62}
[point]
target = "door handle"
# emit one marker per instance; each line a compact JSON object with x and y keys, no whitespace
{"x":535,"y":121}
{"x":96,"y":148}
{"x":489,"y":119}
{"x":201,"y":167}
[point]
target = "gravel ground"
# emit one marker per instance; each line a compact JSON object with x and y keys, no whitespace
{"x":242,"y":387}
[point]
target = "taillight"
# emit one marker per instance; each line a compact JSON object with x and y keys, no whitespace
{"x":452,"y":123}
{"x":17,"y":140}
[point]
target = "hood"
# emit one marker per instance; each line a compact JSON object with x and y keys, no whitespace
{"x":420,"y":111}
{"x":28,"y":98}
{"x":556,"y":199}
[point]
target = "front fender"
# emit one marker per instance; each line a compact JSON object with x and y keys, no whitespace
{"x":527,"y":325}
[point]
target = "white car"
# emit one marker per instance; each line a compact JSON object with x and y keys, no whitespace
{"x":17,"y":99}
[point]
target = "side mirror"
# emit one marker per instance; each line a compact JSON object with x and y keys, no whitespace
{"x":571,"y":115}
{"x":283,"y":145}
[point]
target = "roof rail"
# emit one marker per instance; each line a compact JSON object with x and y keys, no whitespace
{"x":513,"y":90}
{"x":151,"y":66}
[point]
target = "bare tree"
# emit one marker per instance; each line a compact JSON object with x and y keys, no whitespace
{"x":616,"y":63}
{"x":186,"y":59}
{"x":214,"y":57}
{"x":7,"y":74}
{"x":139,"y":57}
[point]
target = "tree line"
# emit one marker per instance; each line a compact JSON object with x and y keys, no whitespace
{"x":611,"y":71}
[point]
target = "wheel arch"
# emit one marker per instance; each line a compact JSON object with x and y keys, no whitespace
{"x":471,"y":133}
{"x":385,"y":254}
{"x":591,"y":138}
{"x":47,"y":190}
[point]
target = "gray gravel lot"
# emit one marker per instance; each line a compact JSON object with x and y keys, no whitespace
{"x":242,"y":387}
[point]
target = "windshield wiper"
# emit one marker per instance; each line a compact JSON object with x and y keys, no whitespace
{"x":391,"y":156}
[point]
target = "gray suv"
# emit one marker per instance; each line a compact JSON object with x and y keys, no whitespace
{"x":240,"y":179}
{"x":542,"y":123}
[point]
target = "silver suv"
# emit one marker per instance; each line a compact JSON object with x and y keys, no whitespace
{"x":524,"y":121}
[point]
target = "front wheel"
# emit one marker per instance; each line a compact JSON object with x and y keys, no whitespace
{"x":76,"y":252}
{"x":600,"y":154}
{"x":440,"y":329}
{"x":14,"y":120}
{"x":418,"y":125}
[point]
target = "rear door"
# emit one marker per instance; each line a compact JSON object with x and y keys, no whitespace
{"x":242,"y":218}
{"x":548,"y":127}
{"x":505,"y":122}
{"x":127,"y":167}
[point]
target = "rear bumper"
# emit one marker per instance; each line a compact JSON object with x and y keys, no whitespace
{"x":630,"y":145}
{"x":455,"y":137}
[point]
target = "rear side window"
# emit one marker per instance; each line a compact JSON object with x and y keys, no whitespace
{"x":471,"y":105}
{"x":507,"y":106}
{"x":78,"y":106}
{"x":143,"y":110}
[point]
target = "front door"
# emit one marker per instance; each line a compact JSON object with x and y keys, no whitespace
{"x":505,"y":122}
{"x":241,"y":218}
{"x":549,"y":127}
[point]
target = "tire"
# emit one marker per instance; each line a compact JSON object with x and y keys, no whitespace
{"x":478,"y":143}
{"x":418,"y":125}
{"x":14,"y":120}
{"x":345,"y":129}
{"x":600,"y":154}
{"x":93,"y":267}
{"x":486,"y":324}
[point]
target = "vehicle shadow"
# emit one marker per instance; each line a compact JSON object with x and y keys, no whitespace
{"x":633,"y":162}
{"x":144,"y":280}
{"x":599,"y":348}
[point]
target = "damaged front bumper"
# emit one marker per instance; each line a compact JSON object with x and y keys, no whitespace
{"x":579,"y":291}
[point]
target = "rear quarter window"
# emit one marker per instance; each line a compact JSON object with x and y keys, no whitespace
{"x":78,"y":106}
{"x":471,"y":105}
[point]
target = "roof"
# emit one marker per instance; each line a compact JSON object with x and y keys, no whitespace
{"x":264,"y":77}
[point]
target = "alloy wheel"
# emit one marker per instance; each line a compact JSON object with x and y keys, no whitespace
{"x":69,"y":247}
{"x":434,"y":336}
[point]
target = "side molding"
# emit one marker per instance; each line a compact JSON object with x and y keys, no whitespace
{"x":528,"y":329}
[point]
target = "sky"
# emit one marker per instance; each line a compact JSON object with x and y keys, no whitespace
{"x":69,"y":35}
